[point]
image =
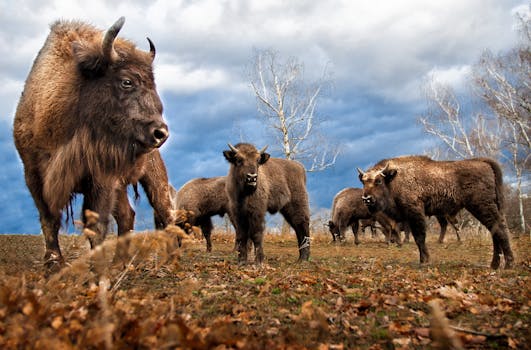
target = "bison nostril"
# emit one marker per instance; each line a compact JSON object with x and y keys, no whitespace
{"x":160,"y":135}
{"x":367,"y":199}
{"x":251,"y":177}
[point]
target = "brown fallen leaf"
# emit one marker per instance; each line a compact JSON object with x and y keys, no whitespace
{"x":441,"y":333}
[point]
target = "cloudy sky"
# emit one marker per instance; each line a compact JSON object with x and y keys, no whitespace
{"x":377,"y":52}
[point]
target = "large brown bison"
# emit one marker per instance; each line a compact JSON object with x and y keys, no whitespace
{"x":202,"y":198}
{"x":87,"y":120}
{"x":257,"y":184}
{"x":348,"y":210}
{"x":411,"y":187}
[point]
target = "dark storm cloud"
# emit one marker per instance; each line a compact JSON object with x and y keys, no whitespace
{"x":378,"y":54}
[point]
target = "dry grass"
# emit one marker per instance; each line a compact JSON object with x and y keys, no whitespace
{"x":367,"y":296}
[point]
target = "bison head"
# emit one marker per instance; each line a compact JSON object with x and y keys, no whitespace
{"x":376,"y":187}
{"x":245,"y":160}
{"x":117,"y":97}
{"x":334,"y":230}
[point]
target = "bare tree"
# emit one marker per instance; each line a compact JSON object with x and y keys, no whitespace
{"x":504,"y":83}
{"x":502,"y":129}
{"x":288,"y":104}
{"x":463,"y":135}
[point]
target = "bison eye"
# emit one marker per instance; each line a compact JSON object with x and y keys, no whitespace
{"x":378,"y":181}
{"x":126,"y":84}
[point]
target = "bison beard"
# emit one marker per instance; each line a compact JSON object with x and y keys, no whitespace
{"x":409,"y":188}
{"x":257,"y":184}
{"x":87,"y":120}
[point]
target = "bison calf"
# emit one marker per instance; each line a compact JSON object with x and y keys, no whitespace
{"x":87,"y":120}
{"x":203,"y":198}
{"x":257,"y":184}
{"x":409,"y":188}
{"x":348,"y":209}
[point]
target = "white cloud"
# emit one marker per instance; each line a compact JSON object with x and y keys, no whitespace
{"x":179,"y":79}
{"x":454,"y":76}
{"x":10,"y":90}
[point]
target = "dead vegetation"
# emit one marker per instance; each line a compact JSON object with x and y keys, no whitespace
{"x":371,"y":296}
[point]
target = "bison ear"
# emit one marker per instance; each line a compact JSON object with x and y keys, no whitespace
{"x":389,"y":175}
{"x":90,"y":59}
{"x":264,"y":157}
{"x":230,"y":156}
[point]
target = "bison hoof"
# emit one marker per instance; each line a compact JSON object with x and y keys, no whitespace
{"x":509,"y":262}
{"x":53,"y":263}
{"x":495,"y":264}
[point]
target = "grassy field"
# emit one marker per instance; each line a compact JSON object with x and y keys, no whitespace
{"x":371,"y":296}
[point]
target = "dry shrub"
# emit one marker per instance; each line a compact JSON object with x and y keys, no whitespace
{"x":83,"y":306}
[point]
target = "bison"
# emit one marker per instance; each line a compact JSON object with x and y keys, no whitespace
{"x":348,"y":209}
{"x":88,"y":119}
{"x":411,"y":187}
{"x":257,"y":184}
{"x":202,"y":198}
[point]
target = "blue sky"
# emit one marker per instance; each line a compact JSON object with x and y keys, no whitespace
{"x":378,"y":52}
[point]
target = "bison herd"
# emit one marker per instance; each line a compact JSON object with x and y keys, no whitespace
{"x":89,"y":121}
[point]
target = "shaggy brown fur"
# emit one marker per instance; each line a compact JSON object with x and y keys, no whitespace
{"x":204,"y":197}
{"x":409,"y":188}
{"x":257,"y":184}
{"x":87,"y":119}
{"x":348,"y":209}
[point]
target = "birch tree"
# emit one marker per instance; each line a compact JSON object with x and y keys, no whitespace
{"x":288,"y":104}
{"x":463,"y":134}
{"x":502,"y":127}
{"x":504,"y":83}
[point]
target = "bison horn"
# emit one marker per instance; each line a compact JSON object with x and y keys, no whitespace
{"x":108,"y":40}
{"x":152,"y":50}
{"x":234,"y":149}
{"x":384,"y":169}
{"x":263,"y":149}
{"x":360,"y":172}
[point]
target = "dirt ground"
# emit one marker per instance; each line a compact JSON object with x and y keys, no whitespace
{"x":370,"y":296}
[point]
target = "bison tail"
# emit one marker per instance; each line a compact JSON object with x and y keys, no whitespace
{"x":498,"y":179}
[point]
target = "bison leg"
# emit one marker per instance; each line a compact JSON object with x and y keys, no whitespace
{"x":355,"y":231}
{"x":444,"y":224}
{"x":301,"y":225}
{"x":453,"y":221}
{"x":99,"y":198}
{"x":157,"y":188}
{"x":241,"y":246}
{"x":407,"y":232}
{"x":373,"y":230}
{"x":242,"y":238}
{"x":125,"y":220}
{"x":490,"y":216}
{"x":50,"y":224}
{"x":390,"y":229}
{"x":206,"y":227}
{"x":418,"y":229}
{"x":123,"y":213}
